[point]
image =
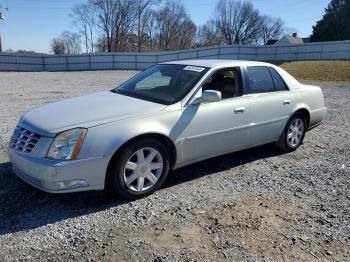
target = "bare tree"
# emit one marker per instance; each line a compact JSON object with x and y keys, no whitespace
{"x":68,"y":43}
{"x":209,"y":35}
{"x":85,"y":19}
{"x":72,"y":42}
{"x":144,"y":15}
{"x":135,"y":25}
{"x":239,"y":22}
{"x":151,"y":29}
{"x":186,"y":35}
{"x":101,"y":44}
{"x":124,"y":25}
{"x":106,"y":10}
{"x":175,"y":28}
{"x":57,"y":46}
{"x":25,"y":51}
{"x":116,"y":19}
{"x":271,"y":29}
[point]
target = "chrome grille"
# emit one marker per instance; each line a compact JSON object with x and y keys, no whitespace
{"x":24,"y":140}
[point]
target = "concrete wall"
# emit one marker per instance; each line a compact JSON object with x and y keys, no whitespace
{"x":339,"y":50}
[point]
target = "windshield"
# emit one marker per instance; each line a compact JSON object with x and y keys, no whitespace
{"x":164,"y":83}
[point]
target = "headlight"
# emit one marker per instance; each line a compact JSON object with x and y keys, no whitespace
{"x":66,"y":145}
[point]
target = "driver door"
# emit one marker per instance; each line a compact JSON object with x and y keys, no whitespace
{"x":211,"y":129}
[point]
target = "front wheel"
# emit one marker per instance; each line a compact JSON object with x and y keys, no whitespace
{"x":139,"y":170}
{"x":293,"y":134}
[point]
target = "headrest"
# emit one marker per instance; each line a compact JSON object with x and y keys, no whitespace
{"x":228,"y":74}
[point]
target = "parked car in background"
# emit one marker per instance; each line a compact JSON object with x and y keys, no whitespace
{"x":173,"y":114}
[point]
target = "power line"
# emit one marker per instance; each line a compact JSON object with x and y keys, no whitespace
{"x":303,"y":19}
{"x":283,"y":8}
{"x":56,"y":2}
{"x":45,"y":7}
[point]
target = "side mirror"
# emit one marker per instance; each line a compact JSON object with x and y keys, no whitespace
{"x":209,"y":96}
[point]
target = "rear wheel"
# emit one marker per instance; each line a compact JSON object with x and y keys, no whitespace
{"x":293,"y":134}
{"x":139,"y":170}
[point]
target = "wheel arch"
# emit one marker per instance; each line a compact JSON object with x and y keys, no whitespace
{"x":166,"y":141}
{"x":306,"y":113}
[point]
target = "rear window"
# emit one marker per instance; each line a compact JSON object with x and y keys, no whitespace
{"x":280,"y":85}
{"x":260,"y":80}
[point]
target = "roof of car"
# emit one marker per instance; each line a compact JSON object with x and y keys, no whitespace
{"x":216,"y":62}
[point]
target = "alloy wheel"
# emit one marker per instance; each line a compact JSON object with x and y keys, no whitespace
{"x":295,"y":132}
{"x":143,"y":169}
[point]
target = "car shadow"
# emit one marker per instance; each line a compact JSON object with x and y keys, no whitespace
{"x":23,"y":207}
{"x":221,"y":163}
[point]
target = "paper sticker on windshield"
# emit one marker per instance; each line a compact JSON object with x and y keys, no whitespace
{"x":194,"y":68}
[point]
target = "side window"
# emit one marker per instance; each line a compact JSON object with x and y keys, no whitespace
{"x":280,"y":85}
{"x":260,"y":80}
{"x":227,"y":81}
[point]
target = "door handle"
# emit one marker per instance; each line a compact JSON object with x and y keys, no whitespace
{"x":239,"y":110}
{"x":286,"y":102}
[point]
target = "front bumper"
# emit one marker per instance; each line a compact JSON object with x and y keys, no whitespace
{"x":59,"y":176}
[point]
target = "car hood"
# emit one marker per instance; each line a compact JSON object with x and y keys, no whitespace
{"x":85,"y":111}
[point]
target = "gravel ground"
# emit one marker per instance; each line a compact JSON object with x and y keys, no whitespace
{"x":255,"y":205}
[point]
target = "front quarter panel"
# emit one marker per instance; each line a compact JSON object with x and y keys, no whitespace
{"x":104,"y":140}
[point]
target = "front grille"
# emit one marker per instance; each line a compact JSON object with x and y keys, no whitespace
{"x":23,"y":140}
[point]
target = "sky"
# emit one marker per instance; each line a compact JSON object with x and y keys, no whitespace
{"x":31,"y":24}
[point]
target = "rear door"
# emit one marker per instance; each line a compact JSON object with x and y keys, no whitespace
{"x":271,"y":104}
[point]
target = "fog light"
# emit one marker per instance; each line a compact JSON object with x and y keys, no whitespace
{"x":66,"y":184}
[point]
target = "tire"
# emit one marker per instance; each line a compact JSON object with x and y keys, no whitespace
{"x":129,"y":174}
{"x":286,"y":142}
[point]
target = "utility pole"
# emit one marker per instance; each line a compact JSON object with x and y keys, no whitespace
{"x":2,"y":17}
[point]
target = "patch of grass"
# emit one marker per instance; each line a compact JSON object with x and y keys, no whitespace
{"x":319,"y":71}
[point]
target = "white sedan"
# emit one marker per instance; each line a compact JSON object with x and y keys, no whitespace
{"x":173,"y":114}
